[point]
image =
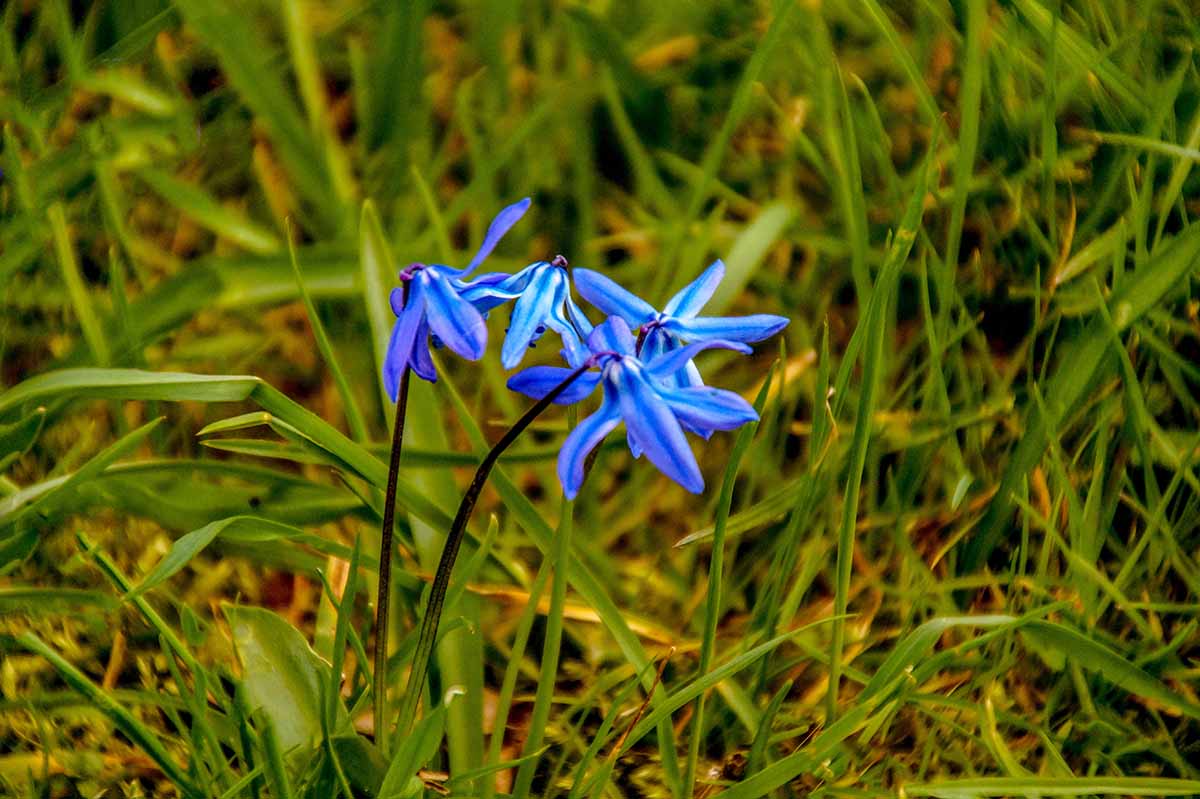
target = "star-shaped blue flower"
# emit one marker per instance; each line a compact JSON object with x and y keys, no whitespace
{"x":642,"y":394}
{"x":679,"y":321}
{"x":542,"y":292}
{"x":436,"y":303}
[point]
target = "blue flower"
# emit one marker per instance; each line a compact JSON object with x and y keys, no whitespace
{"x":542,"y":292}
{"x":678,"y":322}
{"x":434,"y":302}
{"x":641,"y":393}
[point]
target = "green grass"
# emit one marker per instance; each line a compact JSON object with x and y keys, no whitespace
{"x":959,"y":556}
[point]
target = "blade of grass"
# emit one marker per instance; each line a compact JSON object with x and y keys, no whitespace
{"x":601,"y":736}
{"x":125,"y":721}
{"x":1054,"y":786}
{"x":36,"y":600}
{"x":841,"y":143}
{"x":274,"y":767}
{"x":18,"y":437}
{"x":205,"y":210}
{"x":716,"y":576}
{"x":974,"y":49}
{"x":415,"y":751}
{"x":342,"y":629}
{"x":873,"y":323}
{"x":1179,"y":175}
{"x":929,"y":107}
{"x":782,"y":11}
{"x":177,"y":386}
{"x":397,"y":75}
{"x":89,"y":320}
{"x":1094,"y":656}
{"x":551,"y":649}
{"x":682,"y":696}
{"x":312,"y":92}
{"x":14,"y":508}
{"x":760,"y":746}
{"x":354,"y":417}
{"x":748,"y":252}
{"x":378,"y":269}
{"x":1081,"y":55}
{"x":1087,"y":361}
{"x":512,"y":672}
{"x":248,"y":63}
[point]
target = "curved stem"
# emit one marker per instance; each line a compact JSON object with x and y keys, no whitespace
{"x":441,"y":579}
{"x":383,"y":599}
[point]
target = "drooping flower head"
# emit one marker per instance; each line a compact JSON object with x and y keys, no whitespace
{"x":643,"y":394}
{"x":542,"y":292}
{"x":679,"y":321}
{"x":434,"y":301}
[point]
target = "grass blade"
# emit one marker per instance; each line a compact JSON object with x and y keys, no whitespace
{"x":247,"y":61}
{"x":669,"y":704}
{"x":196,"y":203}
{"x":1086,"y":362}
{"x":873,"y":322}
{"x":716,"y":575}
{"x":1099,"y":658}
{"x":125,"y":721}
{"x":354,"y":417}
{"x":1054,"y":786}
{"x":24,"y":503}
{"x":89,"y":320}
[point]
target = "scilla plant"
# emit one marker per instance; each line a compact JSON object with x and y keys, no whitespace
{"x":649,"y":382}
{"x":280,"y":725}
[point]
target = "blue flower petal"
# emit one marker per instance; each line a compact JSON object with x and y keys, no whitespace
{"x":634,"y":447}
{"x":672,"y":361}
{"x":655,"y":428}
{"x":404,"y":336}
{"x":705,"y":409}
{"x":586,"y":436}
{"x":396,"y":300}
{"x":578,"y":318}
{"x":691,"y":375}
{"x":496,"y":230}
{"x":659,"y":342}
{"x":489,"y":299}
{"x":692,"y":297}
{"x":421,"y":361}
{"x":755,"y":327}
{"x":488,"y":279}
{"x":519,"y":280}
{"x":655,"y":343}
{"x":612,"y":335}
{"x":531,"y":311}
{"x":573,"y":349}
{"x":538,"y":381}
{"x":395,"y":361}
{"x":453,"y":320}
{"x":611,"y":298}
{"x":487,"y":291}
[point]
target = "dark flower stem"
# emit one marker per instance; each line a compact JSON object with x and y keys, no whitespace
{"x":383,"y":600}
{"x":441,"y":580}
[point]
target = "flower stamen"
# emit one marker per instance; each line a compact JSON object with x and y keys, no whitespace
{"x":410,"y":271}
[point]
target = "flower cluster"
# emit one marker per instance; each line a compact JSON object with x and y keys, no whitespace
{"x":649,"y":381}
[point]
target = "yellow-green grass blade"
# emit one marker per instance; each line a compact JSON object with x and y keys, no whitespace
{"x":1086,"y":362}
{"x":971,"y":788}
{"x":147,"y":739}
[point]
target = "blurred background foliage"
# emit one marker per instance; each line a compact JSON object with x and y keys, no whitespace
{"x":1020,"y":408}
